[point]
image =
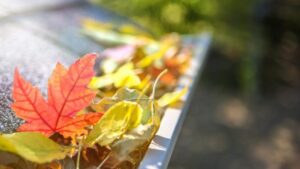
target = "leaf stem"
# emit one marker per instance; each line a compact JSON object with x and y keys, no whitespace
{"x":152,"y":97}
{"x":156,"y":82}
{"x":78,"y":154}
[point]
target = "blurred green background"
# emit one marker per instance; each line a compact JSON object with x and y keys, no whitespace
{"x":245,"y":112}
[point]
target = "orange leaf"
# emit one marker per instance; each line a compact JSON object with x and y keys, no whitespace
{"x":67,"y":95}
{"x":71,"y":126}
{"x":30,"y":105}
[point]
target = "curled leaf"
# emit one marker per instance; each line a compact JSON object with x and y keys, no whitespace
{"x":130,"y":149}
{"x":127,"y":94}
{"x":136,"y":96}
{"x":115,"y":122}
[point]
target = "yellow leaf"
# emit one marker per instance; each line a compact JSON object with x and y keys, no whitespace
{"x":34,"y":147}
{"x":123,"y":77}
{"x":115,"y":122}
{"x":172,"y":97}
{"x":93,"y":24}
{"x":148,"y":60}
{"x":106,"y":33}
{"x":100,"y":82}
{"x":136,"y":96}
{"x":126,"y":77}
{"x":144,"y":82}
{"x":130,"y":29}
{"x":109,"y":66}
{"x":103,"y":104}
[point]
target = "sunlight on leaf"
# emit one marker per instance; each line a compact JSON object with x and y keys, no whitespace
{"x":172,"y":97}
{"x":123,"y":77}
{"x":136,"y":96}
{"x":115,"y":122}
{"x":67,"y":95}
{"x":126,"y":77}
{"x":109,"y":66}
{"x":146,"y":81}
{"x":148,"y":60}
{"x":32,"y":146}
{"x":100,"y":82}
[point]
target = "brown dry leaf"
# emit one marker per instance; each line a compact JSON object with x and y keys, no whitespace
{"x":52,"y":165}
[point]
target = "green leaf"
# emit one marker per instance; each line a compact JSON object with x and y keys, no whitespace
{"x":32,"y":146}
{"x":115,"y":122}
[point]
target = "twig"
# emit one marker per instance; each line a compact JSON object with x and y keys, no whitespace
{"x":100,"y":165}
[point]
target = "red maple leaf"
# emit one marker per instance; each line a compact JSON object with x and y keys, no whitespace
{"x":67,"y":95}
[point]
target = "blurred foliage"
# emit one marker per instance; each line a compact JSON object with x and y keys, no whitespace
{"x":227,"y":19}
{"x":230,"y":21}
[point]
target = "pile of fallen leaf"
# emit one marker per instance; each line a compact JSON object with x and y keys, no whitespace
{"x":101,"y":112}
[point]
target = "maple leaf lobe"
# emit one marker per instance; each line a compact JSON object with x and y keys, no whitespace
{"x":67,"y":95}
